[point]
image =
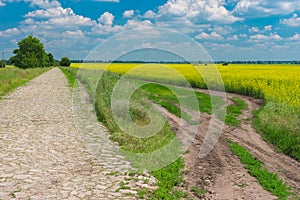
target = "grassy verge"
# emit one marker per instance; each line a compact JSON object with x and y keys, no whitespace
{"x":234,"y":111}
{"x":139,"y":105}
{"x":169,"y":176}
{"x":164,"y":97}
{"x":11,"y":78}
{"x":269,"y":181}
{"x":274,"y":124}
{"x":70,"y":73}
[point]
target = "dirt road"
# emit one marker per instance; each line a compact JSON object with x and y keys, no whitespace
{"x":220,"y":173}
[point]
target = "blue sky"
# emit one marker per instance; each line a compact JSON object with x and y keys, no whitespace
{"x":227,"y":29}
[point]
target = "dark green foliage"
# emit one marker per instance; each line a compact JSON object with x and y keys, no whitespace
{"x":52,"y":61}
{"x":65,"y":62}
{"x":30,"y":54}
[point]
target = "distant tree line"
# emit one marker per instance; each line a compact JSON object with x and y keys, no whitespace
{"x":258,"y":62}
{"x":187,"y":62}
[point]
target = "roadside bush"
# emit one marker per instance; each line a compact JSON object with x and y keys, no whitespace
{"x":65,"y":62}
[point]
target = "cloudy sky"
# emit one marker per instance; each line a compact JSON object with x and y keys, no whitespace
{"x":227,"y":29}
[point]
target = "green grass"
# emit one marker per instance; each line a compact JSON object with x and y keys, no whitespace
{"x":200,"y":192}
{"x":123,"y":186}
{"x":172,"y":98}
{"x":142,"y":193}
{"x":234,"y":111}
{"x":169,"y":177}
{"x":113,"y":173}
{"x":139,"y":104}
{"x":167,"y":99}
{"x":269,"y":181}
{"x":160,"y":93}
{"x":171,"y":107}
{"x":274,"y":124}
{"x":11,"y":77}
{"x":13,"y":195}
{"x":70,"y":74}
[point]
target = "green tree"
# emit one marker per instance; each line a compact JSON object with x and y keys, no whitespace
{"x":30,"y":54}
{"x":52,"y":61}
{"x":65,"y":62}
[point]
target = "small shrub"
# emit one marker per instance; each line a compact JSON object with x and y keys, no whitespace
{"x":65,"y":62}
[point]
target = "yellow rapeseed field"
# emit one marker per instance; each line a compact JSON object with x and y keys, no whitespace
{"x":274,"y":83}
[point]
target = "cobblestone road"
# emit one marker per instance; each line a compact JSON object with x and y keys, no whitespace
{"x":42,"y":156}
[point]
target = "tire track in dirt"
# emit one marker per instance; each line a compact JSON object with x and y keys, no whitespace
{"x":287,"y":168}
{"x":220,"y":173}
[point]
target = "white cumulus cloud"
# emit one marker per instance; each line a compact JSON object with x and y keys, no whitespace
{"x":268,"y":28}
{"x":212,"y":36}
{"x":105,"y":29}
{"x":261,"y":37}
{"x":265,"y":7}
{"x":10,"y":32}
{"x":138,"y":24}
{"x":57,"y":17}
{"x":295,"y":37}
{"x":254,"y":30}
{"x":234,"y":38}
{"x":101,"y":29}
{"x":44,"y":3}
{"x":39,"y":3}
{"x":106,"y":18}
{"x":197,"y":11}
{"x":73,"y":34}
{"x":292,"y":21}
{"x":128,"y":13}
{"x":149,"y":14}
